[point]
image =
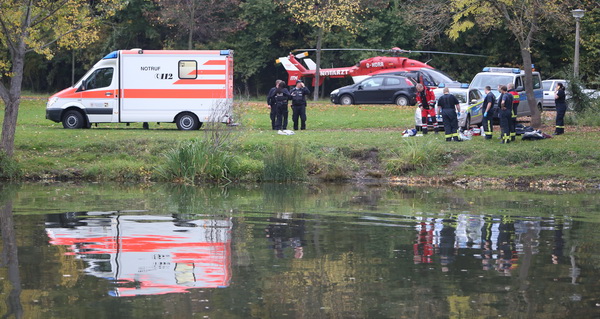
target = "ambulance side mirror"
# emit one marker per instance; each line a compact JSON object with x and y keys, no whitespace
{"x":360,"y":87}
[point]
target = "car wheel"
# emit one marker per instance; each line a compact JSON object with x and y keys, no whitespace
{"x":540,"y":108}
{"x":187,"y":122}
{"x":346,"y":100}
{"x":401,"y":100}
{"x":467,"y":122}
{"x":73,"y":119}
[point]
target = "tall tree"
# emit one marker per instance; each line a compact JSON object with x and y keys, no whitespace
{"x":202,"y":20}
{"x":524,"y":19}
{"x":35,"y":25}
{"x":324,"y":16}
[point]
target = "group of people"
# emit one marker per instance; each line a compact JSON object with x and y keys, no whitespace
{"x":277,"y":101}
{"x":447,"y":105}
{"x":504,"y":107}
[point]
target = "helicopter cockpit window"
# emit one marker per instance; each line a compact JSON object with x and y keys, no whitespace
{"x":374,"y":82}
{"x":435,"y":77}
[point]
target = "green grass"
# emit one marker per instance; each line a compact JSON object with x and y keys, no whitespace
{"x":332,"y":148}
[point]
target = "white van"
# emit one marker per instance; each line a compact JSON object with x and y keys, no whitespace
{"x":493,"y":77}
{"x":182,"y":87}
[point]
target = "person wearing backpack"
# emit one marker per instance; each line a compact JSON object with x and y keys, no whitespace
{"x":298,"y":95}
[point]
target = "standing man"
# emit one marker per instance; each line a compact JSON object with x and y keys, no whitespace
{"x":280,"y":98}
{"x":488,"y":113}
{"x":505,"y":102}
{"x":515,"y":106}
{"x":450,"y":109}
{"x":426,"y":102}
{"x":271,"y":103}
{"x":299,"y":94}
{"x":561,"y":109}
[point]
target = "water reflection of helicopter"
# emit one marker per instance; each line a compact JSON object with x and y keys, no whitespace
{"x":397,"y":65}
{"x":285,"y":230}
{"x":147,"y":254}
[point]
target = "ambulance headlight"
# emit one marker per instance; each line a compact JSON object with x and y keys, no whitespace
{"x":336,"y":91}
{"x":51,"y":102}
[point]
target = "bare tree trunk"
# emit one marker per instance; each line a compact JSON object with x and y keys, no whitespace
{"x":536,"y":116}
{"x":12,"y":99}
{"x":318,"y":70}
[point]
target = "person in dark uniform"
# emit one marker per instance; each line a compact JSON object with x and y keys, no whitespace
{"x":561,"y":109}
{"x":280,"y":98}
{"x":488,"y":112}
{"x":271,"y":103}
{"x":515,"y":106}
{"x":299,"y":94}
{"x":449,"y":107}
{"x":505,"y":102}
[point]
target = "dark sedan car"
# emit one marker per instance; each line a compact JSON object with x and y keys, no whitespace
{"x":391,"y":89}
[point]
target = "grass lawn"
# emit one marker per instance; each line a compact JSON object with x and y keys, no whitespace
{"x":341,"y":142}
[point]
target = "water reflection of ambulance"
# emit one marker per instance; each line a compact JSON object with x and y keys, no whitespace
{"x":147,"y":254}
{"x":126,"y":86}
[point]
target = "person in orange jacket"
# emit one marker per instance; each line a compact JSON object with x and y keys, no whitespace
{"x":426,"y":102}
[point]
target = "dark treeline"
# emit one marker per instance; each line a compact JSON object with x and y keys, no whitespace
{"x":260,"y":31}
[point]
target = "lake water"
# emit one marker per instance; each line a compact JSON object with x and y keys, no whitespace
{"x":297,"y":251}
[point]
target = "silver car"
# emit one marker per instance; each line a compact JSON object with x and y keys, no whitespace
{"x":471,"y":104}
{"x":550,"y":88}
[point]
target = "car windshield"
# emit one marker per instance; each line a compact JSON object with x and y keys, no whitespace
{"x":460,"y":96}
{"x":493,"y":80}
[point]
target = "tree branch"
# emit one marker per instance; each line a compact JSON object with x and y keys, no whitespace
{"x":35,"y":20}
{"x":55,"y":40}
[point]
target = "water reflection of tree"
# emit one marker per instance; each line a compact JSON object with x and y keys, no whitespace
{"x":10,"y":258}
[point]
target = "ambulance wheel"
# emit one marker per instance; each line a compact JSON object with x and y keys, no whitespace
{"x":73,"y":119}
{"x":346,"y":99}
{"x":401,"y":100}
{"x":187,"y":122}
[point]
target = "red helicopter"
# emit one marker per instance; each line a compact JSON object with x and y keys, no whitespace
{"x":397,"y":65}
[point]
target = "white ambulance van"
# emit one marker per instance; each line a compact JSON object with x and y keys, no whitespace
{"x":182,"y":87}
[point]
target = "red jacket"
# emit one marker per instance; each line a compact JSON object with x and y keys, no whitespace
{"x":429,"y":97}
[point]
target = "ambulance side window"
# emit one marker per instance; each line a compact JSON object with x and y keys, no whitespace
{"x":188,"y":69}
{"x":101,"y":78}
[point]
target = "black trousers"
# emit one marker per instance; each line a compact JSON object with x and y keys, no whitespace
{"x":513,"y":122}
{"x":505,"y":118}
{"x":272,"y":116}
{"x":560,"y":118}
{"x":299,"y":111}
{"x":450,"y":124}
{"x":281,"y":116}
{"x":488,"y":125}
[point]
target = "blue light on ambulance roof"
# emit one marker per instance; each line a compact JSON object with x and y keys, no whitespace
{"x":112,"y":55}
{"x":442,"y":85}
{"x":486,"y":69}
{"x":516,"y":71}
{"x":464,"y":85}
{"x":225,"y":52}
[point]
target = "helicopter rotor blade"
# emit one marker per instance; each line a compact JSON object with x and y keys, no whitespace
{"x":451,"y":53}
{"x":394,"y":51}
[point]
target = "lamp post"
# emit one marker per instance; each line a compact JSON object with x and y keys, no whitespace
{"x":577,"y":14}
